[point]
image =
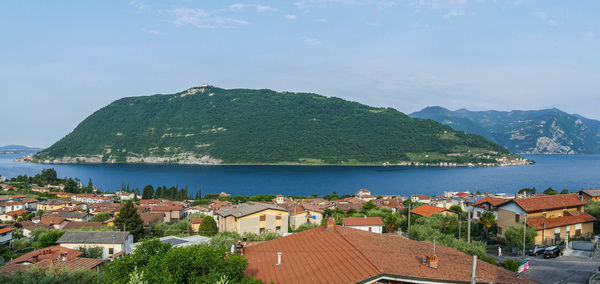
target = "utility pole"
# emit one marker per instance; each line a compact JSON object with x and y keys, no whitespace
{"x":459,"y":224}
{"x":473,"y":277}
{"x":409,"y":218}
{"x":524,"y":231}
{"x":468,"y":225}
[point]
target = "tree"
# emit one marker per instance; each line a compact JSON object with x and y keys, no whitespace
{"x":129,"y":220}
{"x":46,"y":239}
{"x":208,"y":226}
{"x":593,"y":208}
{"x":456,"y":208}
{"x":527,"y":191}
{"x":478,"y":192}
{"x":550,"y":191}
{"x":71,"y":186}
{"x":101,"y":217}
{"x":514,"y":236}
{"x":564,"y":191}
{"x":369,"y":206}
{"x":487,"y":219}
{"x":91,"y":252}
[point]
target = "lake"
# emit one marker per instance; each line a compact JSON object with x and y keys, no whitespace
{"x":573,"y":172}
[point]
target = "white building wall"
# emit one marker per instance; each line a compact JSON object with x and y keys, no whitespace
{"x":374,"y":229}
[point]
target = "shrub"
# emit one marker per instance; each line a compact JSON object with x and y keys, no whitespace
{"x":208,"y":226}
{"x":306,"y":226}
{"x":488,"y":259}
{"x":91,"y":252}
{"x":511,"y":265}
{"x":252,"y":237}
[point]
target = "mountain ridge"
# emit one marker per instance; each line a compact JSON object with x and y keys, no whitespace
{"x":210,"y":125}
{"x":545,"y":131}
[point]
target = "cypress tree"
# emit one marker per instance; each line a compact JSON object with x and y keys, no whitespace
{"x":130,"y":220}
{"x":208,"y":226}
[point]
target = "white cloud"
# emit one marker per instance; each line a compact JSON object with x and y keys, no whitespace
{"x":153,"y":32}
{"x":203,"y":19}
{"x":265,"y":8}
{"x":236,"y":6}
{"x":312,"y":41}
{"x":542,"y":16}
{"x":290,"y":16}
{"x":454,"y":13}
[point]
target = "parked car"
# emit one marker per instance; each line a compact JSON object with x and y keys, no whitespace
{"x":552,"y":251}
{"x":537,"y":249}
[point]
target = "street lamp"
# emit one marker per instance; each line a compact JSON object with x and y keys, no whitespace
{"x":524,"y":231}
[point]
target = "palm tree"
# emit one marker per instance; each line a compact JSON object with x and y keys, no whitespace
{"x":487,"y":219}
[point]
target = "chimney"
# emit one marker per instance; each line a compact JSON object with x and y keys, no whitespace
{"x":432,"y":261}
{"x":330,"y":223}
{"x":279,"y":258}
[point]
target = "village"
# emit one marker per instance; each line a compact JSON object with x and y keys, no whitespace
{"x":366,"y":237}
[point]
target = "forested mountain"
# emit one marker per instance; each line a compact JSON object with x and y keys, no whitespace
{"x":210,"y":125}
{"x":549,"y":131}
{"x":16,"y":149}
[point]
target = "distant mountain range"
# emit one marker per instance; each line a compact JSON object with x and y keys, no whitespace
{"x":548,"y":131}
{"x":210,"y":125}
{"x":18,"y":149}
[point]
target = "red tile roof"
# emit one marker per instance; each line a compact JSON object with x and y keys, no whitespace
{"x":165,"y":208}
{"x":18,"y":212}
{"x":18,"y":196}
{"x":345,"y":255}
{"x":51,"y":220}
{"x":420,"y":196}
{"x":362,"y":221}
{"x":492,"y":201}
{"x":48,"y":257}
{"x":547,"y":223}
{"x":427,"y":210}
{"x":548,"y":202}
{"x":6,"y":230}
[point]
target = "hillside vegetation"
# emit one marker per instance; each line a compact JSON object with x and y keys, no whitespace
{"x":209,"y":125}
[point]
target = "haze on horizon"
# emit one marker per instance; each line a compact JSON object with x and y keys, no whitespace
{"x":63,"y":60}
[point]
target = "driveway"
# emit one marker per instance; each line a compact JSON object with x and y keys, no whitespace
{"x":563,"y":269}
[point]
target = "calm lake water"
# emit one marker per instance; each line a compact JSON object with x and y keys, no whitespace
{"x":573,"y":172}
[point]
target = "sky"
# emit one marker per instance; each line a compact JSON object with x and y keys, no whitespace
{"x":62,"y":60}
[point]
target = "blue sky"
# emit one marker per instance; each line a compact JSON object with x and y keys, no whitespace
{"x":62,"y":60}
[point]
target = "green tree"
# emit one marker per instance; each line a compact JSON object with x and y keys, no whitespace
{"x":487,"y":219}
{"x":47,"y":238}
{"x":478,"y":192}
{"x":593,"y":208}
{"x":527,"y":191}
{"x":38,"y":274}
{"x":91,"y":252}
{"x":129,"y":220}
{"x":550,"y":191}
{"x":101,"y":217}
{"x":456,"y":208}
{"x":208,"y":226}
{"x":514,"y":236}
{"x":369,"y":206}
{"x":564,"y":191}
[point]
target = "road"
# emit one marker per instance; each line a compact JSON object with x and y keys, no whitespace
{"x":564,"y":269}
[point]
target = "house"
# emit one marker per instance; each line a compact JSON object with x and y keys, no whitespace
{"x":53,"y":204}
{"x":30,"y":204}
{"x":91,"y":198}
{"x":304,"y":213}
{"x":73,"y":216}
{"x":590,"y":194}
{"x":218,"y":204}
{"x":55,"y":222}
{"x":336,"y":254}
{"x":487,"y":203}
{"x":29,"y":226}
{"x":113,"y":243}
{"x":127,"y":196}
{"x":253,"y":217}
{"x":279,"y":199}
{"x":5,"y":234}
{"x":420,"y":198}
{"x":40,"y":189}
{"x":427,"y":210}
{"x":369,"y":224}
{"x":395,"y":204}
{"x":18,"y":197}
{"x":10,"y":216}
{"x":152,"y":218}
{"x":103,"y":207}
{"x":204,"y":210}
{"x":195,"y":224}
{"x":53,"y":258}
{"x":362,"y":192}
{"x":8,"y":206}
{"x":553,"y":217}
{"x":171,"y":213}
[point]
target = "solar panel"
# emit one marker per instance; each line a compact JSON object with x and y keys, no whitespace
{"x":174,"y":241}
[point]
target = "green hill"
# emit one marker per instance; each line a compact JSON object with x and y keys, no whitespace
{"x":209,"y":125}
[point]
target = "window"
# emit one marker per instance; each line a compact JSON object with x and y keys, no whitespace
{"x":478,"y":214}
{"x":262,"y":230}
{"x":370,"y":230}
{"x":277,"y":217}
{"x":263,"y":217}
{"x":499,"y":230}
{"x":517,"y":218}
{"x":278,"y":229}
{"x":110,"y":250}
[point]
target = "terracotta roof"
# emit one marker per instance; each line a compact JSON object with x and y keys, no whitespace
{"x":151,"y":218}
{"x":420,"y":196}
{"x":362,"y":221}
{"x":364,"y":190}
{"x":47,"y":253}
{"x":345,"y":255}
{"x":592,"y":192}
{"x":29,"y":200}
{"x":29,"y":225}
{"x":6,"y":230}
{"x":427,"y":210}
{"x":48,"y":257}
{"x":18,"y":196}
{"x":547,"y":223}
{"x":349,"y":206}
{"x":79,"y":225}
{"x":165,"y":208}
{"x":18,"y":212}
{"x":548,"y":202}
{"x":492,"y":201}
{"x":51,"y":220}
{"x":195,"y":220}
{"x":11,"y":203}
{"x":247,"y":208}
